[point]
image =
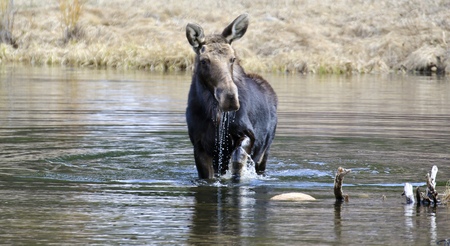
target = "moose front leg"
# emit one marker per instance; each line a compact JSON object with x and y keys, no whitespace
{"x":203,"y":162}
{"x":240,"y":154}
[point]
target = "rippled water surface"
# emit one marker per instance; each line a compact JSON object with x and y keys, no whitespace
{"x":103,"y":157}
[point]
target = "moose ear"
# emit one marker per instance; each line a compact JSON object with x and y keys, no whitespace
{"x":195,"y":36}
{"x":236,"y":29}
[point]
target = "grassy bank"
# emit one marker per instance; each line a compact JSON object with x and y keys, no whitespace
{"x":297,"y":36}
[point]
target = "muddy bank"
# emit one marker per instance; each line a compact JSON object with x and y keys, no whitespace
{"x":288,"y":36}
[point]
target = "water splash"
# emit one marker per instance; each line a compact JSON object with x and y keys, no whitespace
{"x":223,"y":151}
{"x":248,"y":171}
{"x":219,"y":184}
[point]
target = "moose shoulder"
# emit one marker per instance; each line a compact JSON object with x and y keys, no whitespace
{"x":230,"y":115}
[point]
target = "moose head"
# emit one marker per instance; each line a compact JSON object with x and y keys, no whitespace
{"x":216,"y":60}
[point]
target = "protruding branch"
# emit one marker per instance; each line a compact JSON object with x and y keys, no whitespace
{"x":409,"y":194}
{"x":431,"y":195}
{"x":338,"y":181}
{"x":431,"y":186}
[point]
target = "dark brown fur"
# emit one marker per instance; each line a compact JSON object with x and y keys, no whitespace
{"x":222,"y":93}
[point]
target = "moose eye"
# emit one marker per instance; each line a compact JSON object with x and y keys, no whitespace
{"x":204,"y":62}
{"x":232,"y":59}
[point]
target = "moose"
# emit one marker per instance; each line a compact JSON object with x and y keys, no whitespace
{"x":231,"y":115}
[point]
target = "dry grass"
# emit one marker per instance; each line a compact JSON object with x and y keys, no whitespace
{"x":446,"y":195}
{"x":6,"y":21}
{"x":70,"y":12}
{"x":296,"y":36}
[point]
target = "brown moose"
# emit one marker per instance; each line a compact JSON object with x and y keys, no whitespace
{"x":230,"y":115}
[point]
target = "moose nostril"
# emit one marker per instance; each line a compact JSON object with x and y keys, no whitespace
{"x":230,"y":96}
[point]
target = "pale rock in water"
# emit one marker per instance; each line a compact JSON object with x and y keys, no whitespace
{"x":293,"y":196}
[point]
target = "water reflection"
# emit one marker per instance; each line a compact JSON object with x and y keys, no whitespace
{"x":338,"y":220}
{"x":228,"y":215}
{"x":419,"y":217}
{"x":433,"y":229}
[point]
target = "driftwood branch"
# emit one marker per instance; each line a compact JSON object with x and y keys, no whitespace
{"x":408,"y":193}
{"x":430,"y":196}
{"x":431,"y":193}
{"x":338,"y":181}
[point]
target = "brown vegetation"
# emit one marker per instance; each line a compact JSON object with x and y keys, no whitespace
{"x":297,"y":36}
{"x":70,"y":11}
{"x":6,"y":22}
{"x":446,"y":196}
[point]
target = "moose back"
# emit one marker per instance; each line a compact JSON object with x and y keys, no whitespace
{"x":230,"y":115}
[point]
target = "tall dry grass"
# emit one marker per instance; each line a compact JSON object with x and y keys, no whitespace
{"x":6,"y":21}
{"x":296,"y":36}
{"x":70,"y":12}
{"x":446,"y":195}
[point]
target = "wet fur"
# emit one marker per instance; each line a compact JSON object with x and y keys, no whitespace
{"x":255,"y":120}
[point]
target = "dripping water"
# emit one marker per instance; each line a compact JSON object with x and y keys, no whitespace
{"x":223,"y":150}
{"x":222,"y":142}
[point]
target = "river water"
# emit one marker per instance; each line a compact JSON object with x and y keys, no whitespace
{"x":103,"y":157}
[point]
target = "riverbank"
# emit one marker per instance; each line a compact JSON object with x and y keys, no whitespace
{"x":289,"y":36}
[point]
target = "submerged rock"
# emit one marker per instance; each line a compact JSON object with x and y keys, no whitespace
{"x":293,"y":196}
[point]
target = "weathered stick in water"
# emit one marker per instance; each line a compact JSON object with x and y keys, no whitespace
{"x":431,"y":184}
{"x":338,"y":181}
{"x":408,"y":193}
{"x":430,"y":196}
